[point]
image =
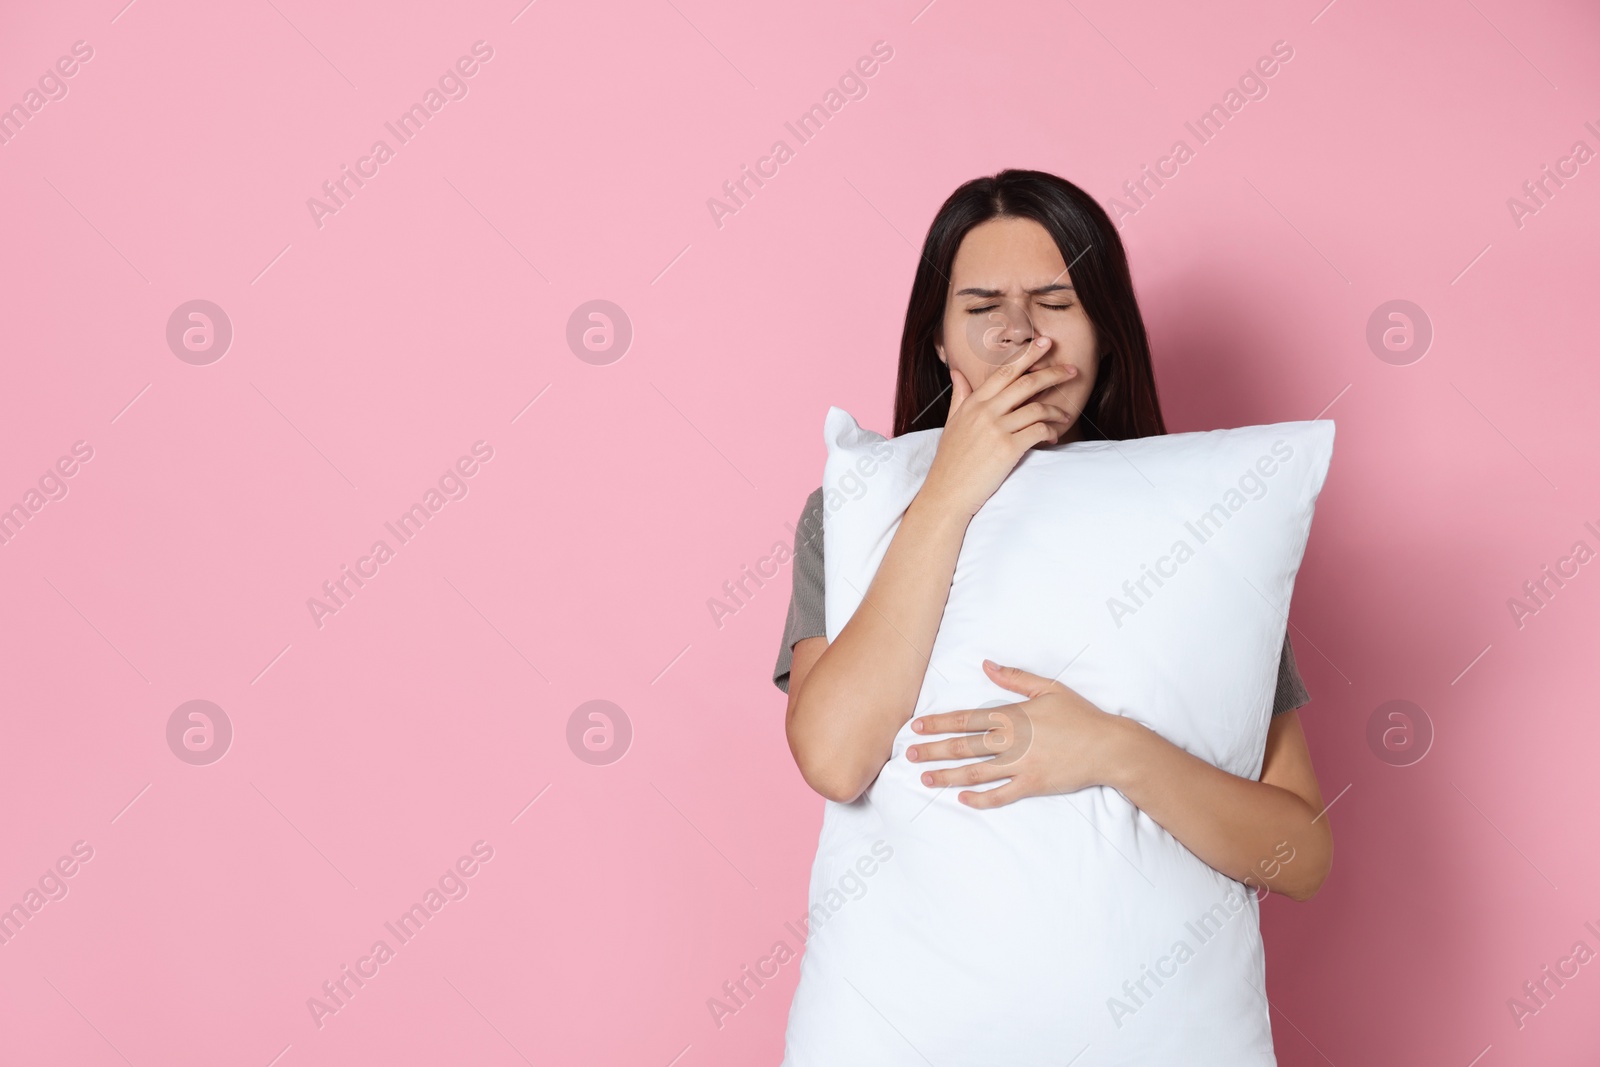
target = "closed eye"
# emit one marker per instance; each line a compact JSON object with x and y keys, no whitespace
{"x":991,"y":307}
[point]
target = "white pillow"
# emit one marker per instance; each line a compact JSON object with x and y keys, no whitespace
{"x":1068,"y":924}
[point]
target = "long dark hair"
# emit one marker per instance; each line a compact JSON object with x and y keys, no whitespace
{"x":1123,"y":403}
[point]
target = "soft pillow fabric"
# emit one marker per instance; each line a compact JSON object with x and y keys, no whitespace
{"x":1153,"y":577}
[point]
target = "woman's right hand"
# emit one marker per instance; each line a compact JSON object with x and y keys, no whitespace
{"x":990,"y":427}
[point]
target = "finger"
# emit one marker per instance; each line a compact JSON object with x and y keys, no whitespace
{"x":1037,"y":433}
{"x":1038,"y":411}
{"x":1024,"y":388}
{"x":1055,"y":393}
{"x":1005,"y":374}
{"x":991,"y":742}
{"x":1018,"y":680}
{"x":993,"y":798}
{"x":970,"y":774}
{"x":953,"y":722}
{"x":960,"y":389}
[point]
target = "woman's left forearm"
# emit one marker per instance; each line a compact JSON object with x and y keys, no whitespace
{"x":1253,"y":832}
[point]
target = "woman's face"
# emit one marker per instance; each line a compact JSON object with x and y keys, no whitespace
{"x":1008,"y":288}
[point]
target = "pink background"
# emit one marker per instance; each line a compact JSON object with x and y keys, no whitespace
{"x":369,"y":353}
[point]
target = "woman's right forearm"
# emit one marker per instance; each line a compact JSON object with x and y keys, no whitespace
{"x":864,"y":686}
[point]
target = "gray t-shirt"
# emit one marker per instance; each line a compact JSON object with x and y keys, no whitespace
{"x":806,"y":616}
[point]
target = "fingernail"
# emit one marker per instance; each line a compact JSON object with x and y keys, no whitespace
{"x":991,"y":664}
{"x":911,"y":754}
{"x":927,"y":779}
{"x":917,"y":725}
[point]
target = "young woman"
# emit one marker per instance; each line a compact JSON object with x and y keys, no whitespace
{"x":1008,"y":344}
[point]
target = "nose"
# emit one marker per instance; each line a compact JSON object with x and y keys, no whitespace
{"x":999,"y":334}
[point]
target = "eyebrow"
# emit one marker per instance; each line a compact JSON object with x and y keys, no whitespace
{"x":1031,"y":292}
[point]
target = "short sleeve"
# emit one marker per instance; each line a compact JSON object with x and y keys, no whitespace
{"x":806,"y":614}
{"x":1291,"y":690}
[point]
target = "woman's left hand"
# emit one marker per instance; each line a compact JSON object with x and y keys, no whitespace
{"x":1054,"y":741}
